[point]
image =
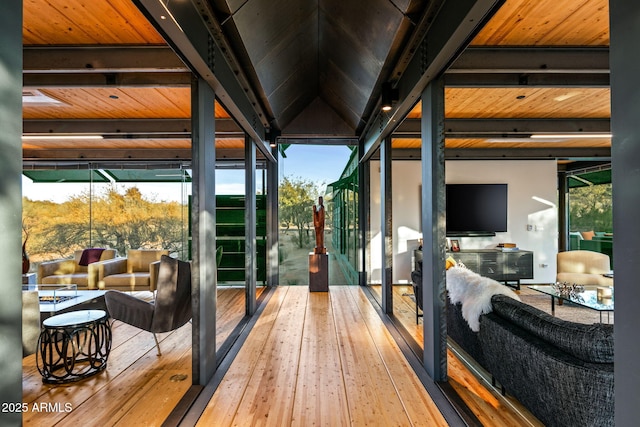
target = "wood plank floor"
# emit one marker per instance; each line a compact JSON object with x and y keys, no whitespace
{"x":310,"y":359}
{"x":137,"y":388}
{"x":320,"y":359}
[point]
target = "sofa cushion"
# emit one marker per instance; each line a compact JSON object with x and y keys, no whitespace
{"x":590,"y":343}
{"x":128,"y":281}
{"x":79,"y":279}
{"x":139,"y":259}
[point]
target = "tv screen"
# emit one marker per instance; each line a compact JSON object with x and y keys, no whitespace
{"x":476,"y":209}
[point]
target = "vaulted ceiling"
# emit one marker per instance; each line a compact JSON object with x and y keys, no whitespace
{"x":313,"y":70}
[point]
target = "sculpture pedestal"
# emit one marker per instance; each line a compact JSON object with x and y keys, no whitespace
{"x":318,"y":272}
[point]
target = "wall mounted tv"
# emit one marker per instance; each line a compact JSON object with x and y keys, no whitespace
{"x":476,"y":209}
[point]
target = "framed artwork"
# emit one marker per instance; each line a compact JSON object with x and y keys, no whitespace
{"x":455,"y":245}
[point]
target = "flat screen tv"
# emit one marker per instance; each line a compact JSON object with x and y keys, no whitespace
{"x":476,"y":209}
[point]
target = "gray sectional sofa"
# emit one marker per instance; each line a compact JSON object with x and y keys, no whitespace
{"x":561,"y":371}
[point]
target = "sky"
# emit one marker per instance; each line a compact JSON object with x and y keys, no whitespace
{"x":319,"y":164}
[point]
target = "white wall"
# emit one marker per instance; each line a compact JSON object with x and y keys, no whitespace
{"x":532,"y":200}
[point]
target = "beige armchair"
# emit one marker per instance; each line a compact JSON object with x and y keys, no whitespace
{"x":583,"y":268}
{"x":68,"y":271}
{"x":137,"y":272}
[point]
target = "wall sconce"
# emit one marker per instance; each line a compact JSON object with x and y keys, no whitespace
{"x":389,"y":96}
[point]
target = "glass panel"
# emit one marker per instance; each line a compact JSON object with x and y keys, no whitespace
{"x":406,"y":199}
{"x":374,"y":238}
{"x":591,"y":219}
{"x":55,"y":219}
{"x":69,"y":215}
{"x":230,"y":242}
{"x":304,"y":173}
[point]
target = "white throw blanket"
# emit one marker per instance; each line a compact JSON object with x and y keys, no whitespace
{"x":474,"y":292}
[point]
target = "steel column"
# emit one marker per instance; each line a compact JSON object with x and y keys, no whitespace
{"x":273,"y":269}
{"x":434,"y":232}
{"x":10,"y":210}
{"x":250,"y":224}
{"x":364,"y":237}
{"x":203,"y":222}
{"x":386,"y":227}
{"x":625,"y":150}
{"x":563,"y":212}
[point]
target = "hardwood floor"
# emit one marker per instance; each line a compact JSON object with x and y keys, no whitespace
{"x":137,"y":388}
{"x":320,"y":359}
{"x":310,"y":359}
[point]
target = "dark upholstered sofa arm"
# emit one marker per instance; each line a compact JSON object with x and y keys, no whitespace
{"x":559,"y":388}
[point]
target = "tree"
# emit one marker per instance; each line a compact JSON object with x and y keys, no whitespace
{"x":590,"y":208}
{"x":297,"y":197}
{"x":115,"y":218}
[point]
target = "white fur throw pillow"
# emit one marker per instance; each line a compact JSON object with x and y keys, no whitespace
{"x":474,"y":292}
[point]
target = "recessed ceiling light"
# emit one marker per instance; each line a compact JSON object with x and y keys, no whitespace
{"x":521,"y":97}
{"x":113,"y":96}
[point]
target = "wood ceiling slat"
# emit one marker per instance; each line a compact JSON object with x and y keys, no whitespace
{"x":537,"y":103}
{"x":559,"y":143}
{"x":415,"y":143}
{"x":46,"y":144}
{"x":81,"y":22}
{"x":547,"y":23}
{"x":95,"y":103}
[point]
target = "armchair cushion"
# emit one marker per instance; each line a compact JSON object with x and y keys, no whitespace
{"x":139,"y":271}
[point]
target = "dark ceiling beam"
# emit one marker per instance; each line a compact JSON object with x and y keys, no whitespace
{"x":225,"y":128}
{"x":484,"y":128}
{"x":106,"y":79}
{"x":527,"y":153}
{"x":185,"y":29}
{"x":451,"y":29}
{"x":604,"y":154}
{"x":100,"y":59}
{"x":105,"y":154}
{"x":318,"y":141}
{"x":588,"y":60}
{"x":493,"y":80}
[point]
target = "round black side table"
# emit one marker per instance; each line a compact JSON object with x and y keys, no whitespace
{"x":73,"y":346}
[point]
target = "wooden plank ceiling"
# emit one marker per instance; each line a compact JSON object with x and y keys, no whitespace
{"x":119,"y":96}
